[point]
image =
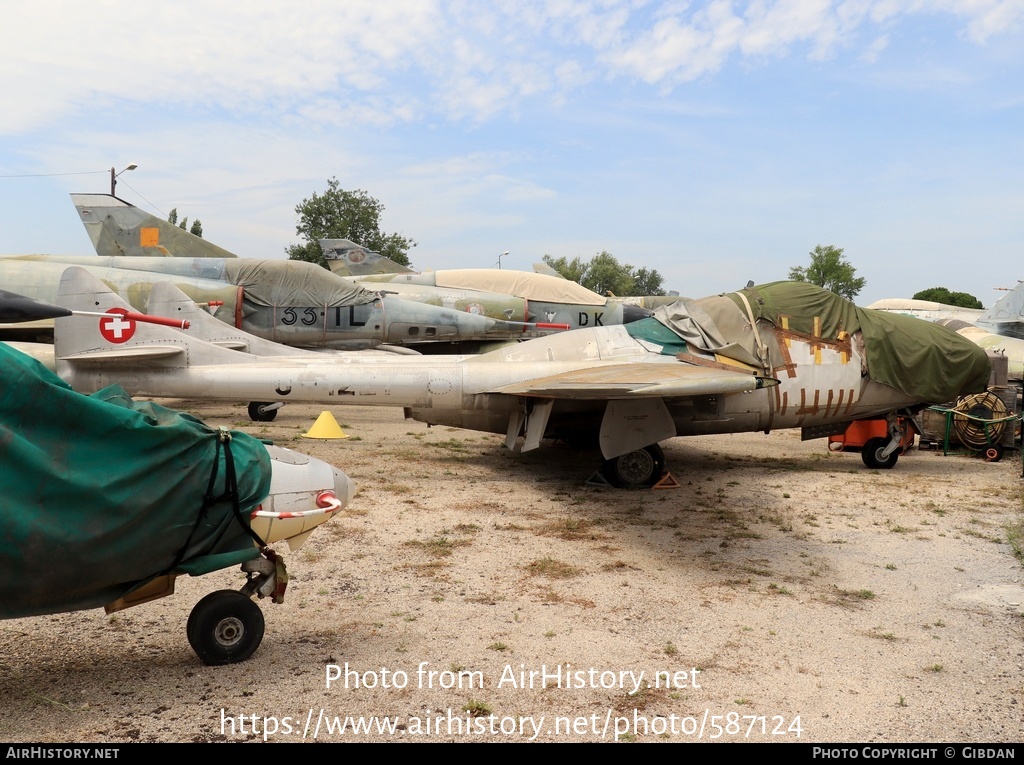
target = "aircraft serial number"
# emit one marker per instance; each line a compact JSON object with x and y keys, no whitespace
{"x":342,"y":316}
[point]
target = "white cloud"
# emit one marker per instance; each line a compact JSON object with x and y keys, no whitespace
{"x":382,"y":63}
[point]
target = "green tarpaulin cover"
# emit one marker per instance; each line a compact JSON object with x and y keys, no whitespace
{"x":930,"y":363}
{"x":99,"y":494}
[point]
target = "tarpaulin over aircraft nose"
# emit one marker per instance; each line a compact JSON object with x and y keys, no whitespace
{"x":99,"y":494}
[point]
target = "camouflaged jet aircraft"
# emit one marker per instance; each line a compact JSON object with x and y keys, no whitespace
{"x":525,"y":305}
{"x":286,"y":301}
{"x":551,"y":301}
{"x":783,"y":355}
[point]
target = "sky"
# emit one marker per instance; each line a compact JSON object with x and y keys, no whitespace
{"x":717,"y":142}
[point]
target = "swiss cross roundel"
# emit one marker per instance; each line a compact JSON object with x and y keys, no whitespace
{"x":115,"y":327}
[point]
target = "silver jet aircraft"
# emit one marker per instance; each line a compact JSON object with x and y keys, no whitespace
{"x":537,"y":304}
{"x":1005,"y":317}
{"x":776,"y":356}
{"x":550,"y":300}
{"x":285,"y":301}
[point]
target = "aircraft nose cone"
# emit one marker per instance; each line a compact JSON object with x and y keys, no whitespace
{"x":634,"y":313}
{"x":344,"y":487}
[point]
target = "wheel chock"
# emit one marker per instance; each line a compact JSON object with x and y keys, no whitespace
{"x":667,"y":481}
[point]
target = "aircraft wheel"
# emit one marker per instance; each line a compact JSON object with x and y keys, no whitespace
{"x":225,"y":627}
{"x":994,"y":453}
{"x":257,"y":412}
{"x":872,"y":454}
{"x":635,"y":470}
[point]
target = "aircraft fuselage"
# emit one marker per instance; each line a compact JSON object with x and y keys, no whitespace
{"x":265,"y":298}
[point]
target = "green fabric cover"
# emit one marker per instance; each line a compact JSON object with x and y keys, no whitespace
{"x":99,"y":494}
{"x":923,"y":360}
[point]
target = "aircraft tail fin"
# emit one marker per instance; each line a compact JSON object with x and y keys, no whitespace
{"x":116,"y":337}
{"x":546,"y":270}
{"x":346,"y":258}
{"x":1007,"y":313}
{"x":118,"y":228}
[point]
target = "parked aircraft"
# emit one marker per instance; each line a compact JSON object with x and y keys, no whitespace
{"x":166,"y":300}
{"x":928,"y":310}
{"x":291,"y":302}
{"x":777,"y":356}
{"x":498,"y":293}
{"x":650,"y":302}
{"x":1005,"y":317}
{"x":131,"y":496}
{"x":1012,"y":347}
{"x":539,"y":304}
{"x":286,"y":301}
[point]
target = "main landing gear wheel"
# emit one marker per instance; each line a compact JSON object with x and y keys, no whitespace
{"x":258,"y":411}
{"x":636,"y":470}
{"x":225,"y":627}
{"x":872,"y":454}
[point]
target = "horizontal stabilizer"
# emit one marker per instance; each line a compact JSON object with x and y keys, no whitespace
{"x":123,"y":354}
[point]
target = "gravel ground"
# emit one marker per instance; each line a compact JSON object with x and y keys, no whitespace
{"x":781,"y":592}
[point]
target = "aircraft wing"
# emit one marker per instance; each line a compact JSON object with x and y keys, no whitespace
{"x":625,"y":381}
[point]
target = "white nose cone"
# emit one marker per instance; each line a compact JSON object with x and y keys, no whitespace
{"x":304,"y":493}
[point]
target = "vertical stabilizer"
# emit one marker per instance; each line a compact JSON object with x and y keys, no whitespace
{"x":346,"y":258}
{"x":116,"y":338}
{"x":1006,"y":316}
{"x":118,"y":228}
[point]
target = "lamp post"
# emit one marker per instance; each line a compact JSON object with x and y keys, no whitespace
{"x":500,"y":257}
{"x":113,"y":177}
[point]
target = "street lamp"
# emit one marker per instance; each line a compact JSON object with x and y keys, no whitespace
{"x":113,"y":176}
{"x":501,"y":256}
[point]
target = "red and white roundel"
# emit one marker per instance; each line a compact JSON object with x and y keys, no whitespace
{"x":115,"y":328}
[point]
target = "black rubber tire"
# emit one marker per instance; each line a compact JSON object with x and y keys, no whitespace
{"x":258,"y":414}
{"x":636,"y":470}
{"x":994,"y":453}
{"x":872,"y":451}
{"x":225,"y":627}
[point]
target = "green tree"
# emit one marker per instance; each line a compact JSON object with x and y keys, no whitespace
{"x":340,"y":214}
{"x":944,"y":296}
{"x":604,"y":275}
{"x":196,"y":228}
{"x":829,"y":269}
